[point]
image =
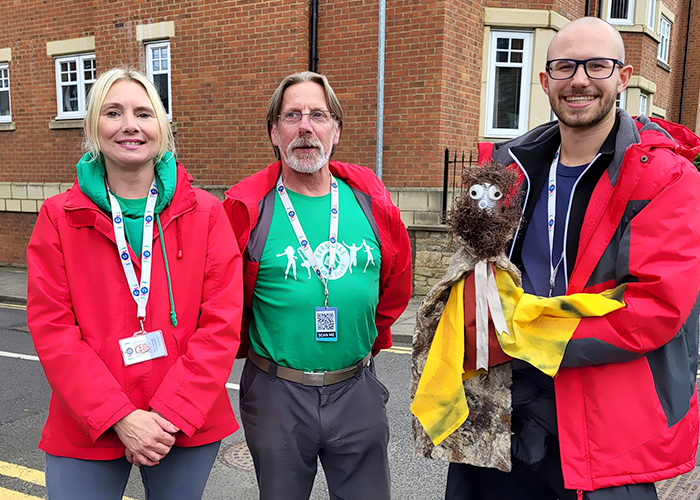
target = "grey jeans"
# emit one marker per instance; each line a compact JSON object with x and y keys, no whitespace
{"x":181,"y":475}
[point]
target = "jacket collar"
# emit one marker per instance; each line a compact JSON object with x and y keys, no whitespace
{"x":81,"y":211}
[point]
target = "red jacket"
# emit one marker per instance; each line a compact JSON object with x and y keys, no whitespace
{"x":243,"y":202}
{"x":79,"y":306}
{"x":626,"y":397}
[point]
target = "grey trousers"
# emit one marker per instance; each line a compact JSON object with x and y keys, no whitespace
{"x":289,"y":425}
{"x":181,"y":475}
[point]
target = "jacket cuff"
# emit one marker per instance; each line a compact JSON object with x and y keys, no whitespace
{"x":105,"y":417}
{"x":181,"y":414}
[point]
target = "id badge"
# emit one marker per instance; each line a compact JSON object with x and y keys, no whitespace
{"x":143,"y":347}
{"x":326,"y":324}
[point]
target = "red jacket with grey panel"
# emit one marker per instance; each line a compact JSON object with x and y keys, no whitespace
{"x":626,"y":397}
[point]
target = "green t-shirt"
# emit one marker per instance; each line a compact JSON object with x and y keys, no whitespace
{"x":287,"y":291}
{"x":133,"y":211}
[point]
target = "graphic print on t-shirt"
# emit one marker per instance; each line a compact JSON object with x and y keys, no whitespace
{"x":288,"y":293}
{"x":344,"y":260}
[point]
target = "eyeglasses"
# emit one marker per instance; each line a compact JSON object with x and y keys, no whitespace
{"x":318,"y":116}
{"x":597,"y":68}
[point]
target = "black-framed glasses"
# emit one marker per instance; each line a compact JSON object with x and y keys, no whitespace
{"x":596,"y":68}
{"x":319,"y":116}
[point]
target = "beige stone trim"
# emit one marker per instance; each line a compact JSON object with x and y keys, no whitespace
{"x":65,"y":124}
{"x":27,"y":196}
{"x":484,"y":82}
{"x":155,"y":31}
{"x":655,"y":110}
{"x":8,"y":127}
{"x":72,"y":46}
{"x":5,"y":54}
{"x":540,"y":111}
{"x":642,"y":83}
{"x":523,"y":18}
{"x":666,"y":12}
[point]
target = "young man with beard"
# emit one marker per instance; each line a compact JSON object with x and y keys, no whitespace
{"x":308,"y":388}
{"x":609,"y":200}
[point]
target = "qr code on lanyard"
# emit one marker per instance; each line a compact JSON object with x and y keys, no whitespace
{"x":325,"y":321}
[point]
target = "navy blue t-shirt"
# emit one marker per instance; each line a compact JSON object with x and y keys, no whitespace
{"x":535,"y":251}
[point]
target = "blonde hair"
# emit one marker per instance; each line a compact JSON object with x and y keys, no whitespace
{"x":275,"y":105}
{"x":98,"y":94}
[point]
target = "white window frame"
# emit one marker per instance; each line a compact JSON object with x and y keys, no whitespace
{"x":629,"y":19}
{"x":622,"y":99}
{"x":643,"y":104}
{"x":665,"y":42}
{"x":82,"y":62}
{"x":5,"y":87}
{"x":651,"y":15}
{"x":151,"y":72}
{"x":526,"y":67}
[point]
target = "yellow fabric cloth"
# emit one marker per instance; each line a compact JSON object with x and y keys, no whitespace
{"x":540,"y":329}
{"x":440,"y":403}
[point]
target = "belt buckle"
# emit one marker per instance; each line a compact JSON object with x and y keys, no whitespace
{"x":313,"y":378}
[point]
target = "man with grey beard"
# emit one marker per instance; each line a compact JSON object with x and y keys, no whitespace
{"x":308,"y":388}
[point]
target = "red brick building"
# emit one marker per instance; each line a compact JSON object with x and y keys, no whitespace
{"x":456,"y":71}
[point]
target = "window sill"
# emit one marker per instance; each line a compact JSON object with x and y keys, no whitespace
{"x":7,"y":126}
{"x":65,"y":124}
{"x":663,"y":65}
{"x":70,"y":124}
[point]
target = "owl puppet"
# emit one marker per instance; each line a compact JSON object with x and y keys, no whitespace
{"x":475,"y":320}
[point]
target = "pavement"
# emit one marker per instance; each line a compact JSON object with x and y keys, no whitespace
{"x":13,"y":289}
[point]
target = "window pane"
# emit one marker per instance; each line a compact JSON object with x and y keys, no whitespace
{"x":5,"y":103}
{"x":516,"y":44}
{"x":69,"y":72}
{"x":619,"y":8}
{"x":70,"y":98}
{"x":507,"y":98}
{"x":156,"y":65}
{"x":516,"y":57}
{"x":501,"y":56}
{"x":161,"y":83}
{"x":503,"y":43}
{"x":89,"y":69}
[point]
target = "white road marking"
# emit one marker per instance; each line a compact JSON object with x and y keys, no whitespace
{"x":19,"y":356}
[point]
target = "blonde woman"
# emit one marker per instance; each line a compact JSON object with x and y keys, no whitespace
{"x":134,"y":306}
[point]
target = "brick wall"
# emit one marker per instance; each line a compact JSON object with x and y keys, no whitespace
{"x":228,"y":56}
{"x":15,"y":229}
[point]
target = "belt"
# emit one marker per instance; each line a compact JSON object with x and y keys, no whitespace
{"x":316,"y":379}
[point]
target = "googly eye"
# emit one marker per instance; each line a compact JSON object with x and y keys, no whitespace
{"x":476,"y":191}
{"x":495,"y":193}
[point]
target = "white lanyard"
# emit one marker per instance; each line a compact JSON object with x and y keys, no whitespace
{"x":551,"y":218}
{"x":139,"y":291}
{"x":301,"y":236}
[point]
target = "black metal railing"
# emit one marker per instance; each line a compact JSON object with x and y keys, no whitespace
{"x":455,"y":163}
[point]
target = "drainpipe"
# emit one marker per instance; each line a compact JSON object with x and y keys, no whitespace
{"x":380,"y":87}
{"x":685,"y":62}
{"x":600,"y":9}
{"x":587,"y":10}
{"x":313,"y":58}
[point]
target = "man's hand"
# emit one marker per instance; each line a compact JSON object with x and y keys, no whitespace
{"x":146,"y":435}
